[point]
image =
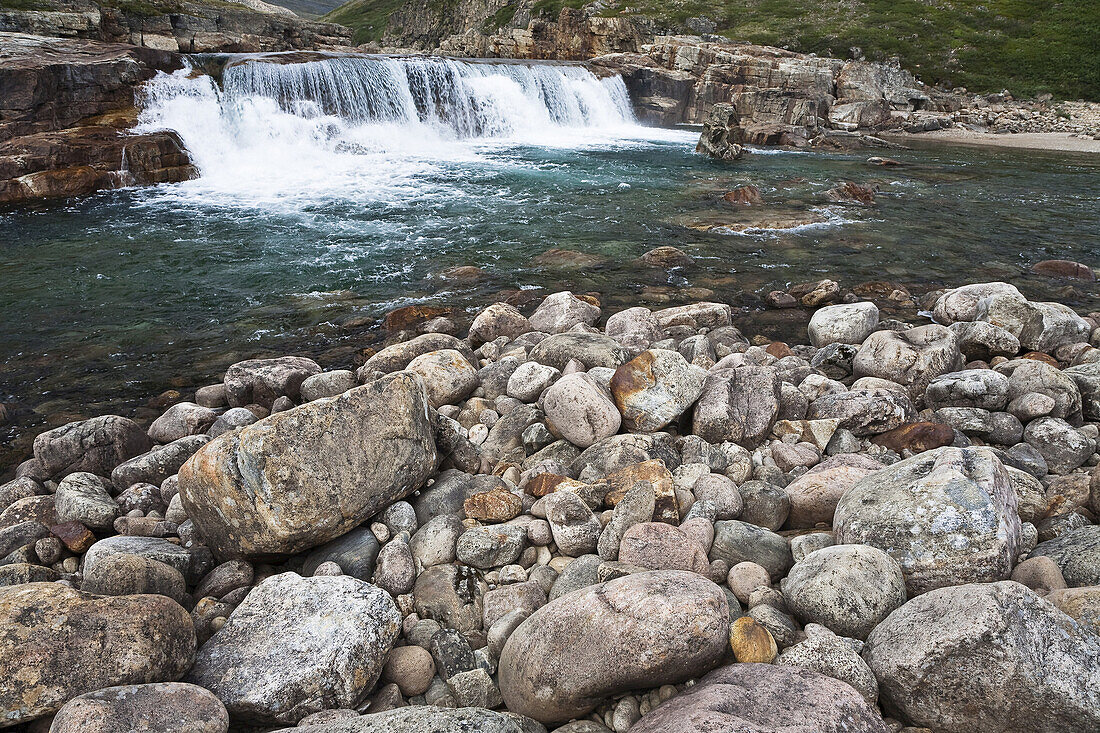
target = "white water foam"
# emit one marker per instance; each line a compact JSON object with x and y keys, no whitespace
{"x":377,"y":129}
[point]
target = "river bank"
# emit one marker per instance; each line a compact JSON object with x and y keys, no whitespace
{"x":1052,"y":141}
{"x":651,"y":507}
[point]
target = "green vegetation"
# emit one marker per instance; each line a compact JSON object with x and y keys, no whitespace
{"x":24,"y":5}
{"x":1027,"y":46}
{"x":367,"y":18}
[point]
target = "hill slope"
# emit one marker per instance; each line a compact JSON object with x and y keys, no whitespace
{"x":1026,"y":46}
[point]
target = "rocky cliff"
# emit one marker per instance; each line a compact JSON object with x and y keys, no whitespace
{"x":65,"y":108}
{"x":168,"y":25}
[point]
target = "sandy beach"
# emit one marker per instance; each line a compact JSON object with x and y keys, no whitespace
{"x":1060,"y":141}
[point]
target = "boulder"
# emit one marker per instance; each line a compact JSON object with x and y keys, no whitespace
{"x":328,"y":384}
{"x":397,"y":356}
{"x":160,"y":707}
{"x":765,"y":698}
{"x":1077,"y":553}
{"x":1087,"y":379}
{"x":739,"y":405}
{"x":305,"y":476}
{"x":559,"y":312}
{"x":84,"y":497}
{"x":736,"y":542}
{"x":499,"y":319}
{"x":448,"y":377}
{"x":911,"y":358}
{"x":848,"y":323}
{"x":1062,"y":446}
{"x":947,"y":516}
{"x":123,"y":574}
{"x":57,"y":643}
{"x":654,"y":388}
{"x":814,"y":495}
{"x":1039,"y":326}
{"x":590,"y":349}
{"x":96,"y":446}
{"x":578,"y":410}
{"x":296,"y":646}
{"x":1024,"y":664}
{"x":641,"y":630}
{"x":864,"y":411}
{"x":635,"y":328}
{"x":848,"y":589}
{"x":1031,"y":376}
{"x":961,"y":304}
{"x":660,"y":546}
{"x":180,"y":420}
{"x":981,"y":340}
{"x":262,"y":381}
{"x":833,"y":656}
{"x":425,"y":718}
{"x":160,"y":463}
{"x":980,"y":388}
{"x":153,"y":548}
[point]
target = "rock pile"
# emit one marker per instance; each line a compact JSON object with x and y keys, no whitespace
{"x":653,"y":524}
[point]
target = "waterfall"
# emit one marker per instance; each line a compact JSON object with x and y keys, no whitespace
{"x":374,"y":127}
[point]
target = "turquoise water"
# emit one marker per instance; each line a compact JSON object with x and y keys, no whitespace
{"x":110,"y":300}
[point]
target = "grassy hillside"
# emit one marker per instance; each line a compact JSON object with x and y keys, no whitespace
{"x":1026,"y":46}
{"x":308,"y":8}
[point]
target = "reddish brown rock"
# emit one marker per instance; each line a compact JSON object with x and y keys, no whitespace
{"x":544,"y":483}
{"x":498,"y":505}
{"x":667,"y":257}
{"x":411,"y":316}
{"x":1065,"y":269}
{"x":917,"y":437}
{"x":666,"y":509}
{"x":852,"y":193}
{"x":74,"y":536}
{"x":746,"y":195}
{"x":1040,"y":356}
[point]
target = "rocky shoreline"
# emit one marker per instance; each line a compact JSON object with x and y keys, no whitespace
{"x":574,"y":520}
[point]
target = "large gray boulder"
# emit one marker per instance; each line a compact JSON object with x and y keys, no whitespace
{"x":864,"y":411}
{"x":160,"y":707}
{"x":911,"y":358}
{"x":590,"y":349}
{"x":305,"y":476}
{"x":738,"y":405}
{"x":96,"y":445}
{"x":764,"y":698}
{"x":1039,"y":326}
{"x":427,"y":719}
{"x":848,"y":589}
{"x":641,"y":630}
{"x":847,"y":323}
{"x":1077,"y":553}
{"x":987,"y":657}
{"x":297,"y":645}
{"x":947,"y":516}
{"x":84,"y":497}
{"x":160,"y":463}
{"x":578,"y":410}
{"x":57,"y":643}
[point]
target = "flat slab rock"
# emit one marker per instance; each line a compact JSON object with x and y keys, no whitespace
{"x":764,"y":698}
{"x":427,"y":719}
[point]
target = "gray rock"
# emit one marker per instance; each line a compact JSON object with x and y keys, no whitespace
{"x":396,"y":357}
{"x":579,"y":411}
{"x":765,"y":698}
{"x":1061,"y":445}
{"x":427,"y":719}
{"x":947,"y":516}
{"x":911,"y":358}
{"x":164,"y":707}
{"x":231,"y":419}
{"x":814,"y":495}
{"x":355,"y":553}
{"x":619,"y":451}
{"x":981,"y":340}
{"x":576,"y":529}
{"x":826,"y":653}
{"x":848,"y":589}
{"x":1077,"y":553}
{"x":1027,"y":376}
{"x":590,"y":349}
{"x":282,"y":486}
{"x":158,"y":464}
{"x":645,"y":629}
{"x":57,"y":643}
{"x":180,"y":420}
{"x":491,"y":547}
{"x":864,"y":411}
{"x":499,"y":319}
{"x":296,"y":646}
{"x":635,"y":507}
{"x":262,"y":381}
{"x":1039,"y":326}
{"x":766,"y":505}
{"x":1087,"y":379}
{"x":736,"y":542}
{"x":981,"y":388}
{"x":452,"y":653}
{"x":396,"y":570}
{"x":961,"y":304}
{"x":448,"y":376}
{"x":16,"y":489}
{"x":530,"y":379}
{"x":451,"y":595}
{"x":84,"y":497}
{"x":328,"y":384}
{"x":722,"y":492}
{"x":1025,"y":665}
{"x":635,"y":328}
{"x":125,"y":575}
{"x":225,"y":578}
{"x":581,"y":573}
{"x":435,"y":542}
{"x":96,"y":446}
{"x":739,"y":405}
{"x":560,"y":312}
{"x":153,"y":548}
{"x":848,"y":323}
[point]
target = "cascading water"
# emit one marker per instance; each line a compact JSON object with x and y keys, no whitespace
{"x":374,"y":127}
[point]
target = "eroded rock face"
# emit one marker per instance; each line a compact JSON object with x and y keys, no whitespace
{"x":1024,"y":664}
{"x":765,"y":698}
{"x":645,"y":629}
{"x":57,"y":643}
{"x":946,"y":516}
{"x":305,"y":476}
{"x":164,"y":707}
{"x":298,"y":645}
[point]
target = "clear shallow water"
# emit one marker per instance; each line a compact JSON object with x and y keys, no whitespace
{"x":307,"y":226}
